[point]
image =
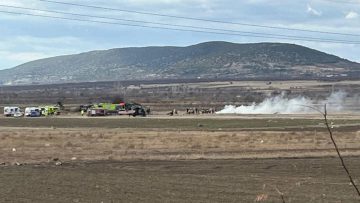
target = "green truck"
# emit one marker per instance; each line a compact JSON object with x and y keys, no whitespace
{"x":110,"y":108}
{"x":133,"y":109}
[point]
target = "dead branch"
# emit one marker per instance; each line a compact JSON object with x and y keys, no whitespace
{"x":338,"y":151}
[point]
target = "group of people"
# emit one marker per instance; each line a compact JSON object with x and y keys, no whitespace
{"x":193,"y":111}
{"x":200,"y":111}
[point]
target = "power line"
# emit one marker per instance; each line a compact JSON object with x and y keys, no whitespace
{"x":183,"y":26}
{"x":198,"y":19}
{"x":178,"y":29}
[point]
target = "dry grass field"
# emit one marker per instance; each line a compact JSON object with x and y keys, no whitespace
{"x":44,"y":145}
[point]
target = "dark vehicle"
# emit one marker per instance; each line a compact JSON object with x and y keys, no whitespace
{"x":133,"y":110}
{"x":85,"y":107}
{"x":139,"y":111}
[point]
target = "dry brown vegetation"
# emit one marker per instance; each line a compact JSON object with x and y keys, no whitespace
{"x":44,"y":144}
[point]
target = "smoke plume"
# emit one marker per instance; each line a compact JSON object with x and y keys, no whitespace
{"x":283,"y":105}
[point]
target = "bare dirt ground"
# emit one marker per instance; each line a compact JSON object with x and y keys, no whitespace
{"x":301,"y":180}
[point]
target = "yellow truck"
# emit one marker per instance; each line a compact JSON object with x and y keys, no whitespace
{"x":49,"y":110}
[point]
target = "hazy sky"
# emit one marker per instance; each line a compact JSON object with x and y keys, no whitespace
{"x":26,"y":38}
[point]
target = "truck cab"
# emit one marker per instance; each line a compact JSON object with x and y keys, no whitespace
{"x":50,"y":110}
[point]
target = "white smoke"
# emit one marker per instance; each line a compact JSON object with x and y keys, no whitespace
{"x":335,"y":101}
{"x":283,"y":105}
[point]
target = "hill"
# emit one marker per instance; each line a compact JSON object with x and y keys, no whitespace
{"x":205,"y":60}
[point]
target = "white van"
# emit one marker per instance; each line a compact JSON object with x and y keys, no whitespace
{"x":11,"y":111}
{"x":32,"y":112}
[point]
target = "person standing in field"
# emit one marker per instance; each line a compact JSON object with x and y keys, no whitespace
{"x":82,"y":112}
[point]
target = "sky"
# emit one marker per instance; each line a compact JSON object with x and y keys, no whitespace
{"x":26,"y":38}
